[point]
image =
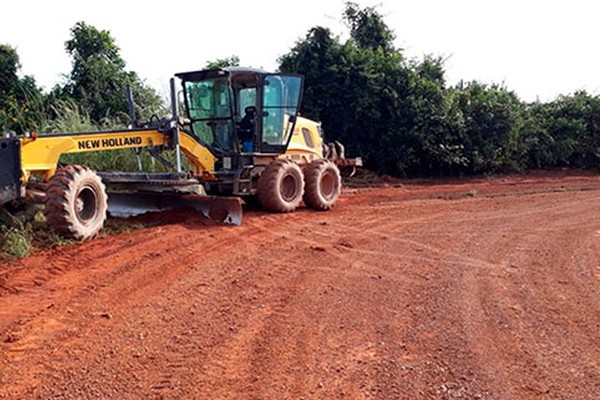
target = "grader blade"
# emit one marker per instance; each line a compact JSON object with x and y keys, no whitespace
{"x":227,"y":210}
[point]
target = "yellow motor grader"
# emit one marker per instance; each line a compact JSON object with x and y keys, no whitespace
{"x":275,"y":157}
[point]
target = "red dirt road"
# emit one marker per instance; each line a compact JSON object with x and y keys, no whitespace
{"x":484,"y":289}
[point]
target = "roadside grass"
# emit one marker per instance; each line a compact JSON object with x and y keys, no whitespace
{"x":25,"y":238}
{"x":71,"y":119}
{"x":22,"y":233}
{"x":16,"y":242}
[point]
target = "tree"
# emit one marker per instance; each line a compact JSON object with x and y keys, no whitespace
{"x":364,"y":92}
{"x":490,"y":118}
{"x":571,"y":125}
{"x":98,"y":77}
{"x":9,"y":65}
{"x":437,"y":123}
{"x":367,"y":27}
{"x":21,"y":101}
{"x":233,"y":61}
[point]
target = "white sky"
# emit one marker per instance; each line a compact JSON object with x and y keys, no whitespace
{"x":539,"y":49}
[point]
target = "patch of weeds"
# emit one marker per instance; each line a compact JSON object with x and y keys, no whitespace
{"x":45,"y":237}
{"x":19,"y":238}
{"x":24,"y":232}
{"x":16,"y":242}
{"x":52,"y":239}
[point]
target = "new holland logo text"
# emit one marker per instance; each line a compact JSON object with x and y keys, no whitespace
{"x":112,"y":142}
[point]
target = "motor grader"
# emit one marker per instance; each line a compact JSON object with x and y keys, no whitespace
{"x":283,"y":161}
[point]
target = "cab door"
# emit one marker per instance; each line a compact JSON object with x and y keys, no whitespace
{"x":280,"y":101}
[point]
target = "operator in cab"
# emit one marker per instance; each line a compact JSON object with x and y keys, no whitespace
{"x":247,"y":128}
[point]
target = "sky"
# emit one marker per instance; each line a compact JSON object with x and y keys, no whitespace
{"x":539,"y":49}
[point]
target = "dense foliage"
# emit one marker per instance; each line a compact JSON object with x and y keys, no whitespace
{"x":398,"y":114}
{"x":20,"y":99}
{"x":98,"y":77}
{"x":401,"y":117}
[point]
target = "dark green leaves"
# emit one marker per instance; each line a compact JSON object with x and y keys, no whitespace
{"x":400,"y":116}
{"x":98,"y":77}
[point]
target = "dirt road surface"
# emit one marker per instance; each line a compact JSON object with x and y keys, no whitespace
{"x":481,"y":289}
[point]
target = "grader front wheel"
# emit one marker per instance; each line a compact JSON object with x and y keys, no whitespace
{"x":76,"y":202}
{"x":281,"y":186}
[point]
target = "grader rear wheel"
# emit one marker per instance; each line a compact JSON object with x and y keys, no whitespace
{"x":76,"y":202}
{"x":323,"y":184}
{"x":281,"y":186}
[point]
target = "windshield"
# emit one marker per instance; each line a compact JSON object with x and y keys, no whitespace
{"x":209,"y":107}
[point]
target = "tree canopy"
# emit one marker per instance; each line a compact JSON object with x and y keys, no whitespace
{"x":367,"y":28}
{"x":233,"y":61}
{"x":98,"y":77}
{"x":20,"y":99}
{"x":400,"y":116}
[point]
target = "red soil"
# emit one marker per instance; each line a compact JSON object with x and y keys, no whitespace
{"x":480,"y":289}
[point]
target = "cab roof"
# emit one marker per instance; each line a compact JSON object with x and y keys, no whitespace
{"x":217,"y":72}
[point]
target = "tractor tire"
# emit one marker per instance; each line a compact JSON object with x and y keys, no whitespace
{"x":323,"y":184}
{"x":281,"y":186}
{"x":76,"y":202}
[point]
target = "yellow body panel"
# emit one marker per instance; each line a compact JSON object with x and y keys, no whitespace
{"x":201,"y":159}
{"x":306,"y":144}
{"x":40,"y":156}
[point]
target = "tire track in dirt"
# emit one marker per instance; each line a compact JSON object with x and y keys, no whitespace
{"x":489,"y":295}
{"x":100,"y":287}
{"x":492,"y":304}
